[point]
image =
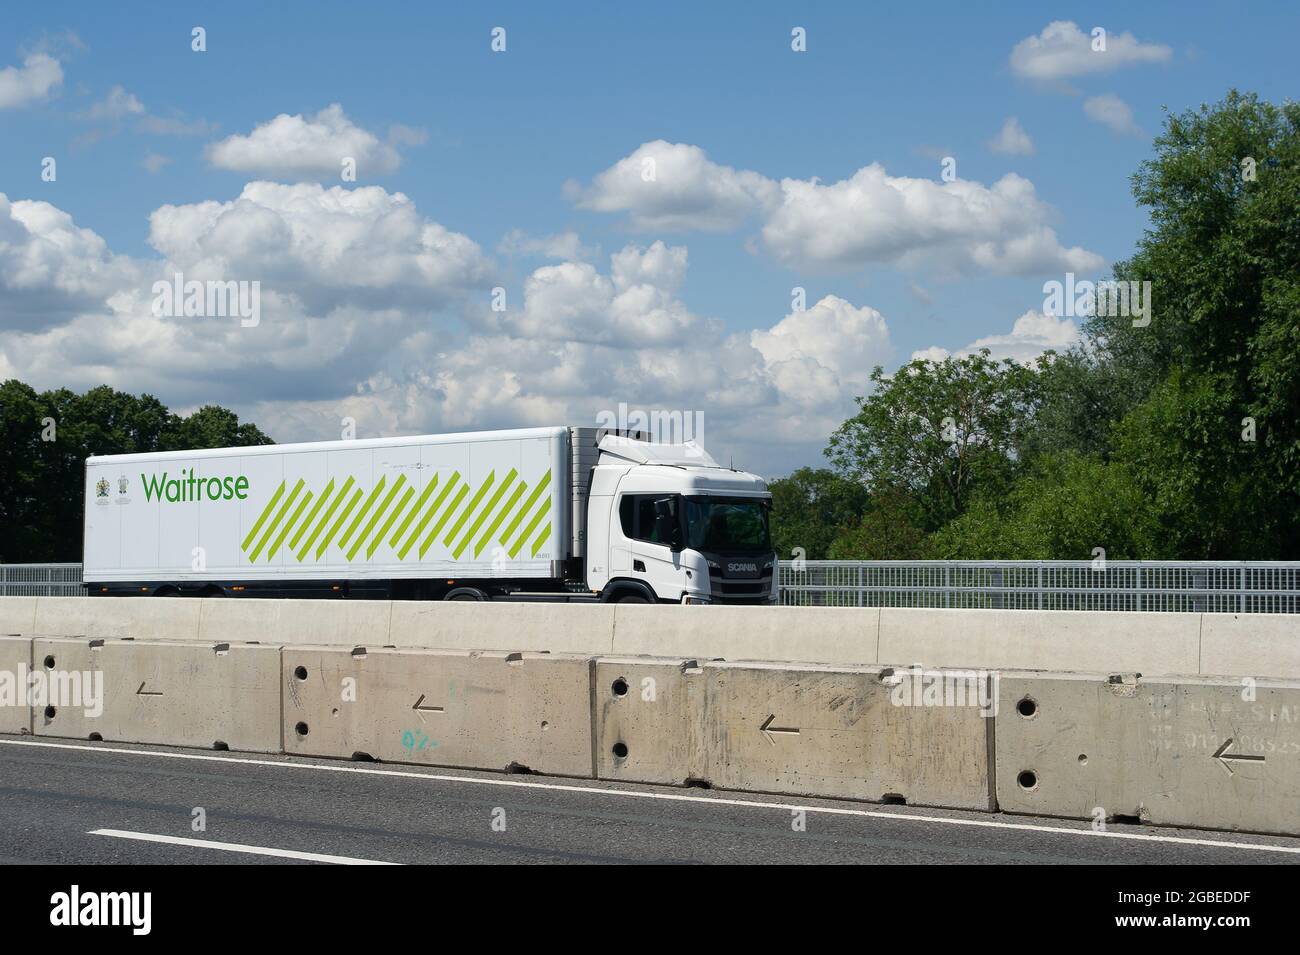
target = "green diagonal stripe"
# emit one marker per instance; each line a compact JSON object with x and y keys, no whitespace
{"x":337,"y":524}
{"x":483,"y":514}
{"x":279,"y":516}
{"x":267,"y":510}
{"x":541,"y":538}
{"x":528,"y":506}
{"x":374,"y":518}
{"x":365,"y":509}
{"x":428,"y":516}
{"x":284,"y":532}
{"x":469,"y":508}
{"x":325,"y":518}
{"x":419,"y":503}
{"x":311,"y":515}
{"x":451,"y":509}
{"x":537,"y":519}
{"x":501,"y":516}
{"x":397,"y":511}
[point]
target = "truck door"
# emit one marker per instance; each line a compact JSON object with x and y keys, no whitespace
{"x":651,"y":532}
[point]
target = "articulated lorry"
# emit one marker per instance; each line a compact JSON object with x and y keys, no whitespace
{"x":541,"y":513}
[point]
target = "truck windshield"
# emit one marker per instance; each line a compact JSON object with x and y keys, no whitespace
{"x":723,"y":525}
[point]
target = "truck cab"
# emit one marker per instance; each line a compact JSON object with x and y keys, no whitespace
{"x":667,"y":524}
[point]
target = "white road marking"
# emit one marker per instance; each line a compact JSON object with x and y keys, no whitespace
{"x":235,"y":847}
{"x":677,"y":797}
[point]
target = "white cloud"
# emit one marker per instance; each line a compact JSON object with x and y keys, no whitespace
{"x":116,"y":105}
{"x":33,"y":82}
{"x":959,"y":226}
{"x":297,"y":147}
{"x":1112,"y":111}
{"x":1012,"y":139}
{"x":563,"y":245}
{"x":1062,"y":51}
{"x":675,"y":187}
{"x":1032,"y":334}
{"x":834,"y":336}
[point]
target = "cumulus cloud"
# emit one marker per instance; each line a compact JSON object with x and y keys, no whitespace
{"x":33,"y":82}
{"x":1012,"y":139}
{"x":1033,"y":333}
{"x":299,"y":147}
{"x":116,"y":105}
{"x":675,"y":187}
{"x":1110,"y":110}
{"x":563,"y":245}
{"x":120,"y":106}
{"x":1062,"y":51}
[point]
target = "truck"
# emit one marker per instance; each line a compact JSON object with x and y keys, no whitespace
{"x":554,"y":513}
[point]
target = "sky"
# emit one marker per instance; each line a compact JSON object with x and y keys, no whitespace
{"x":453,"y":217}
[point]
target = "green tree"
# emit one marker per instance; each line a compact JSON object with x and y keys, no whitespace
{"x":886,"y":531}
{"x":808,"y":509}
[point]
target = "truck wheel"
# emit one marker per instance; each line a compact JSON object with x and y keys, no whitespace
{"x":632,"y":599}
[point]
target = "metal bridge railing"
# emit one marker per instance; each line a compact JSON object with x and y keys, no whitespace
{"x":1193,"y":586}
{"x":41,"y":580}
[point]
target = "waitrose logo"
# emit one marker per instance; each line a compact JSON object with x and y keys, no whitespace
{"x":189,"y":487}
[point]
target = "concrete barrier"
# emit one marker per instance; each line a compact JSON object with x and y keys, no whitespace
{"x":15,"y":664}
{"x":813,"y":634}
{"x":179,"y":694}
{"x":808,"y":730}
{"x":288,"y":622}
{"x":1067,"y":640}
{"x":1197,"y":752}
{"x":17,"y":616}
{"x":1251,"y":644}
{"x":554,"y":627}
{"x":470,"y":709}
{"x":103,"y":618}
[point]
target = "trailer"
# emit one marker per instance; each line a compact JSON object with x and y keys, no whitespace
{"x":557,"y":513}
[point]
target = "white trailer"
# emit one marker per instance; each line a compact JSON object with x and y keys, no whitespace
{"x":547,"y":513}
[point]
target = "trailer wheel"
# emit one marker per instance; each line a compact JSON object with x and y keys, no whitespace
{"x":167,"y":591}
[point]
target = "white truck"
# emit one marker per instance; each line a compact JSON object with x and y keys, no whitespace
{"x":541,"y":513}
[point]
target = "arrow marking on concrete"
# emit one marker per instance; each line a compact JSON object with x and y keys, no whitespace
{"x":143,"y":692}
{"x":767,"y":729}
{"x":1223,"y":756}
{"x":425,"y":709}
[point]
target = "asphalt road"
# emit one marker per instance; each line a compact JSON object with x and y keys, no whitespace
{"x":93,"y":803}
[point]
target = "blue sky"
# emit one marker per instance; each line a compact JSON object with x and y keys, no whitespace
{"x":491,"y":141}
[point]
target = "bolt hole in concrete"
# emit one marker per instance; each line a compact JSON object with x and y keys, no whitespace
{"x":620,"y":750}
{"x":1027,"y":707}
{"x":49,"y":663}
{"x":49,"y":712}
{"x":1028,"y":779}
{"x":1083,"y":759}
{"x":301,"y":729}
{"x":620,"y":687}
{"x":300,"y":673}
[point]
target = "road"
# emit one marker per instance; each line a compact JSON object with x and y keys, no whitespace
{"x":91,"y":803}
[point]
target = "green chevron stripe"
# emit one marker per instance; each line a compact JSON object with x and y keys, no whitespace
{"x":374,"y":518}
{"x":279,"y":516}
{"x":483,"y":514}
{"x":397,"y":512}
{"x":365,"y":509}
{"x":541,"y":538}
{"x":469,"y":508}
{"x":324,"y":544}
{"x":257,"y":526}
{"x":428,"y":516}
{"x":311,"y":515}
{"x":501,"y":516}
{"x":537,"y":519}
{"x":528,"y":505}
{"x":451,"y":509}
{"x":325,"y":518}
{"x":419,"y":503}
{"x":270,"y":554}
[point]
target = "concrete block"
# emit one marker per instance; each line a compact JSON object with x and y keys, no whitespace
{"x":285,"y":622}
{"x":1191,"y":751}
{"x":481,"y":710}
{"x":17,"y":616}
{"x":1063,"y":640}
{"x":649,"y":714}
{"x":1251,"y":644}
{"x":467,"y":625}
{"x":178,"y":694}
{"x":143,"y":618}
{"x":15,"y":664}
{"x":814,"y":634}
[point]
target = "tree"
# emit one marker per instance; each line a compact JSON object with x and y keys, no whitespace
{"x":808,"y":509}
{"x":938,"y":431}
{"x":885,"y":532}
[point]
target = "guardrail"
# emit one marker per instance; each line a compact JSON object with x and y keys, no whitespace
{"x":1190,"y":586}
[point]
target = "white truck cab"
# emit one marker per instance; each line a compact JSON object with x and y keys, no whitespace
{"x":667,"y":523}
